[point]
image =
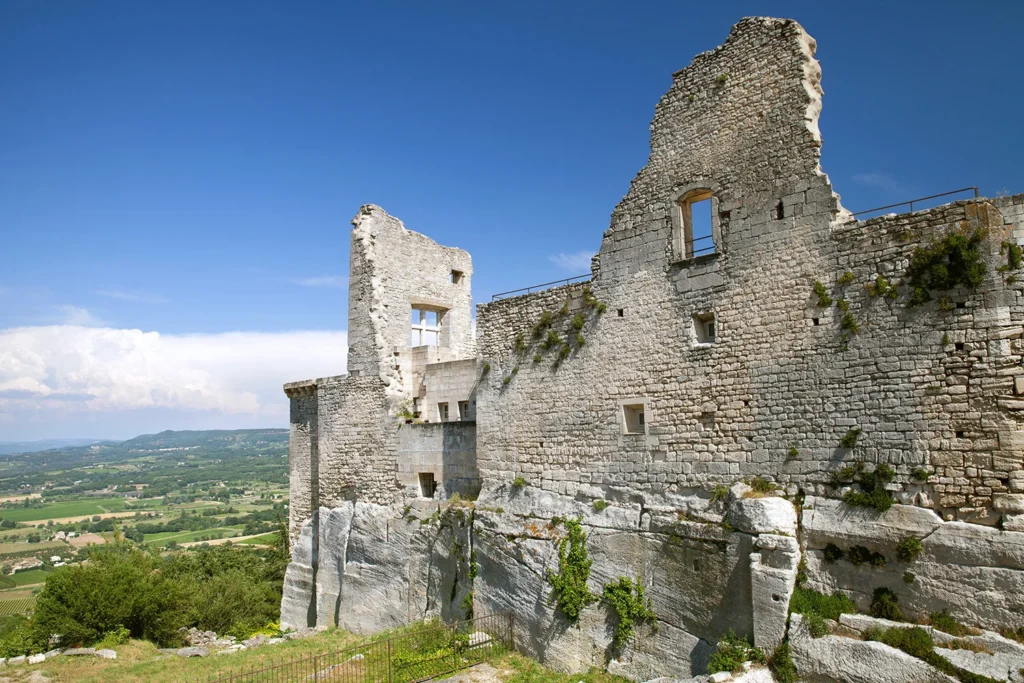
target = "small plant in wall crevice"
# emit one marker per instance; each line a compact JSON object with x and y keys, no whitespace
{"x":569,"y":583}
{"x":631,"y":607}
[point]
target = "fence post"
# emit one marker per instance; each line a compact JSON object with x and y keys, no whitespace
{"x":389,"y":660}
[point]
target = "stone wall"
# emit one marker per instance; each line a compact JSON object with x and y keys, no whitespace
{"x":780,"y":386}
{"x":447,"y":450}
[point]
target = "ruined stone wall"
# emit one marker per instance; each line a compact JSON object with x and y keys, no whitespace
{"x":445,"y":449}
{"x":392,"y":269}
{"x":779,"y":388}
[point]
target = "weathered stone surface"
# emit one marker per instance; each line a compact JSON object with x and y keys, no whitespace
{"x":298,"y":600}
{"x":763,"y":516}
{"x":106,"y":654}
{"x":80,"y":651}
{"x":834,"y":659}
{"x":999,"y":666}
{"x":36,"y":659}
{"x":193,"y":652}
{"x":773,"y":572}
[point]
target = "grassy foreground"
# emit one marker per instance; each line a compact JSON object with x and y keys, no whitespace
{"x":140,"y":661}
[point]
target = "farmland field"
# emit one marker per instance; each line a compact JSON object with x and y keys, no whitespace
{"x":16,"y":606}
{"x":77,"y":508}
{"x":265,"y":539}
{"x":29,"y":577}
{"x":18,"y":548}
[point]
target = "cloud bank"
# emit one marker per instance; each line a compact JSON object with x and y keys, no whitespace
{"x":56,"y":373}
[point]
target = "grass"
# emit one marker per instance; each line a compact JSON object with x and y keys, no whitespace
{"x":916,"y":642}
{"x":138,"y":661}
{"x":30,"y":577}
{"x":265,"y":539}
{"x":187,"y":536}
{"x":75,"y":508}
{"x":817,"y":607}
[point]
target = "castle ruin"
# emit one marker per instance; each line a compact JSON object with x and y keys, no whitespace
{"x":739,"y":326}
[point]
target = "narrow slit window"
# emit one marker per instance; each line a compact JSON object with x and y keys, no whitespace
{"x":442,"y":412}
{"x":780,"y":211}
{"x":695,"y":219}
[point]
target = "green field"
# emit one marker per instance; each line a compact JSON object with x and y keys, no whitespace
{"x":16,"y":606}
{"x":21,"y":548}
{"x":188,"y":536}
{"x":78,"y":508}
{"x":265,"y":539}
{"x":29,"y":577}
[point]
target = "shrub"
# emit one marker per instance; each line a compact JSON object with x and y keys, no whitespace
{"x":599,"y":505}
{"x":537,"y":358}
{"x":845,"y":279}
{"x":577,"y":321}
{"x":486,"y":367}
{"x":833,"y":553}
{"x":631,"y":607}
{"x":952,"y":261}
{"x":849,"y":439}
{"x":721,"y":78}
{"x":731,"y":652}
{"x":849,"y":323}
{"x":908,"y":577}
{"x":886,"y":605}
{"x":792,"y":452}
{"x":520,"y":343}
{"x":551,"y":341}
{"x":881,"y":287}
{"x":908,"y":549}
{"x":519,"y":482}
{"x":843,"y":305}
{"x":720,"y":492}
{"x":781,"y":664}
{"x":919,"y":474}
{"x":873,"y":493}
{"x":944,"y":622}
{"x":1014,"y":256}
{"x":763,"y":486}
{"x":569,"y":584}
{"x":824,"y":300}
{"x":807,"y":602}
{"x":917,"y":642}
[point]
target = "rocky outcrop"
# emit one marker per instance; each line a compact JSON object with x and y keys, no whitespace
{"x":975,"y":572}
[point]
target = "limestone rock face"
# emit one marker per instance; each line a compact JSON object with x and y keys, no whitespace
{"x":763,"y":516}
{"x":833,"y":659}
{"x":975,"y":572}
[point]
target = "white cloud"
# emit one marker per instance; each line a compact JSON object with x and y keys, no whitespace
{"x":329,"y":281}
{"x":883,"y":181}
{"x":138,"y":297}
{"x":578,"y":263}
{"x":50,"y":372}
{"x":73,"y":315}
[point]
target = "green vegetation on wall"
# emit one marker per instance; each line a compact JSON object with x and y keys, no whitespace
{"x":569,"y":584}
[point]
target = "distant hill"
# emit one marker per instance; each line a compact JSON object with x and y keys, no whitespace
{"x":165,"y":445}
{"x":7,"y":447}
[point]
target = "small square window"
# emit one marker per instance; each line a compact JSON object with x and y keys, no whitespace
{"x":634,"y":419}
{"x":427,"y":484}
{"x":456,"y":277}
{"x":705,"y":328}
{"x":622,"y":313}
{"x":442,"y":412}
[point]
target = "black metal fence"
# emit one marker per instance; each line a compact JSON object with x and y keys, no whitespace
{"x":919,"y":200}
{"x":545,"y":285}
{"x":419,"y":655}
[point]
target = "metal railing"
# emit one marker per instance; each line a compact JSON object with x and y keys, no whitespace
{"x":527,"y":290}
{"x":707,"y":246}
{"x":419,"y":655}
{"x":919,"y":199}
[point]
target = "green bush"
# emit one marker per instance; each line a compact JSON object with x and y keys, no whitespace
{"x":118,"y":587}
{"x":908,"y":549}
{"x":917,"y":642}
{"x":807,"y":602}
{"x":569,"y":584}
{"x":763,"y":486}
{"x":849,"y":439}
{"x":833,"y":553}
{"x":886,"y":605}
{"x":731,"y":652}
{"x":845,"y":279}
{"x":631,"y":607}
{"x":781,"y":664}
{"x":519,"y":482}
{"x":944,"y":622}
{"x":952,"y":261}
{"x":859,"y":555}
{"x":599,"y":504}
{"x":824,"y":300}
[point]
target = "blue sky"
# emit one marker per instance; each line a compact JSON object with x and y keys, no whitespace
{"x":189,"y":169}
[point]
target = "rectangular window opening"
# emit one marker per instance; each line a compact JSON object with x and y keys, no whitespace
{"x":425,"y":326}
{"x":456,"y":277}
{"x":633,"y":419}
{"x":427,"y":484}
{"x":442,"y":412}
{"x":705,"y":328}
{"x":464,"y":410}
{"x":695,"y":219}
